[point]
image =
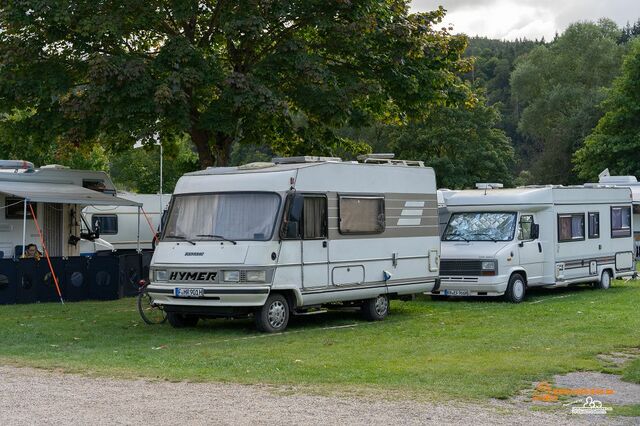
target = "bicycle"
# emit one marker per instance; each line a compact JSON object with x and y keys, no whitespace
{"x":151,"y":312}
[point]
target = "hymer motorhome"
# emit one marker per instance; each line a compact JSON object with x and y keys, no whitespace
{"x":503,"y":241}
{"x":291,"y":236}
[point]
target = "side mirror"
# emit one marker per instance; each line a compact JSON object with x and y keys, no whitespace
{"x":535,"y":231}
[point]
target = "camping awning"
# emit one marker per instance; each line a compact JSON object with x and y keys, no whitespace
{"x":62,"y":193}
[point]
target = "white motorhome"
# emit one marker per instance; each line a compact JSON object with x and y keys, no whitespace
{"x":503,"y":241}
{"x":288,"y":237}
{"x":57,"y":195}
{"x":632,"y":183}
{"x":118,"y":225}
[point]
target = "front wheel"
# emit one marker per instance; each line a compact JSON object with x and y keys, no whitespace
{"x":376,"y":309}
{"x":273,"y":316}
{"x":516,"y":289}
{"x":150,"y":312}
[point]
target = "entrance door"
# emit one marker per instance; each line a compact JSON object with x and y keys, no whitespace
{"x":52,"y":228}
{"x":530,"y":249}
{"x":315,"y":245}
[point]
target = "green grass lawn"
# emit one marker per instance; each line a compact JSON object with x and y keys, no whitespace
{"x":464,"y":349}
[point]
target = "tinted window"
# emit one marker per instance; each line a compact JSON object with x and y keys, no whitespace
{"x":620,"y":222}
{"x":524,"y":232}
{"x":108,"y":224}
{"x":594,"y":225}
{"x":571,"y":227}
{"x":14,"y":208}
{"x":361,"y":215}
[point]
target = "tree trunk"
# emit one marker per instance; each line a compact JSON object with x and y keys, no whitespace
{"x":200,"y":139}
{"x":223,"y":149}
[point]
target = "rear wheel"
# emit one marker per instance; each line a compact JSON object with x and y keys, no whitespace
{"x":605,"y":281}
{"x":273,"y":316}
{"x":376,"y":309}
{"x":516,"y":289}
{"x":182,"y":320}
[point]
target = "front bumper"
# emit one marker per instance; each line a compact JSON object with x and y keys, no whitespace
{"x":214,"y":296}
{"x":473,"y":285}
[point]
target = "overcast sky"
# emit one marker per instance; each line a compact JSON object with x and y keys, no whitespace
{"x":510,"y":19}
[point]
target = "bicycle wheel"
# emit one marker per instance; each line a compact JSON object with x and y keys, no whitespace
{"x":149,"y":311}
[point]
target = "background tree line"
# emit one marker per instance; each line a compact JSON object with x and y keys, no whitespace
{"x":223,"y":83}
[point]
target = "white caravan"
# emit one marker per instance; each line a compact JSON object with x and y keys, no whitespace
{"x":57,"y":194}
{"x":502,"y":241}
{"x":118,"y":225}
{"x":282,"y":238}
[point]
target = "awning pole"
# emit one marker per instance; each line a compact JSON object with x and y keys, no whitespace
{"x":139,"y":229}
{"x":24,"y":227}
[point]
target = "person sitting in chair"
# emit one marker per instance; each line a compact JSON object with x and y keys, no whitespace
{"x":31,"y":252}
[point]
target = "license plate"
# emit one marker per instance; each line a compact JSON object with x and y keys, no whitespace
{"x":188,"y":292}
{"x":456,"y":292}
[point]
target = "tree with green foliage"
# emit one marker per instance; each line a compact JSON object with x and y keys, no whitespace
{"x":278,"y":73}
{"x":615,"y":142}
{"x":559,"y":88}
{"x":461,"y":143}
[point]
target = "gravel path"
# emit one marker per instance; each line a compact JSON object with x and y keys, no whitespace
{"x":31,"y":396}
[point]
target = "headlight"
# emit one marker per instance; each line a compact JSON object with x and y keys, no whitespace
{"x":231,"y":276}
{"x":256,"y":276}
{"x":161,"y":275}
{"x":488,"y":266}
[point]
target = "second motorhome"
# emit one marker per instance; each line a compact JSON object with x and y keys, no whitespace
{"x":288,"y":237}
{"x":503,"y":241}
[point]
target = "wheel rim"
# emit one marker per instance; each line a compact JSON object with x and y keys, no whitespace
{"x":606,"y":280}
{"x":518,"y":289}
{"x":277,"y":314}
{"x":382,"y":304}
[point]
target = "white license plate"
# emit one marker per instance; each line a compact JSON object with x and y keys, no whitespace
{"x":456,"y":292}
{"x":188,"y":292}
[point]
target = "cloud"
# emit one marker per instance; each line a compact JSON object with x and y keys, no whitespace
{"x":509,"y":19}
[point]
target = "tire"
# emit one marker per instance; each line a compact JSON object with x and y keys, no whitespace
{"x":605,"y":281}
{"x":182,"y":320}
{"x":516,"y":290}
{"x":273,"y":316}
{"x":149,"y":311}
{"x":376,"y":309}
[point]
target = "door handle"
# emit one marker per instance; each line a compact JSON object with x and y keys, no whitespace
{"x":324,"y":244}
{"x":540,"y":247}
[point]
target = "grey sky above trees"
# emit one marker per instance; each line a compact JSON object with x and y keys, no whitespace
{"x":511,"y":19}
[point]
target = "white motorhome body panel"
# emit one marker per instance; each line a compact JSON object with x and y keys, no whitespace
{"x":545,"y":260}
{"x":400,"y":259}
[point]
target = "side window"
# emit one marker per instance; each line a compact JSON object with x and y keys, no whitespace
{"x":361,"y":215}
{"x":620,"y":222}
{"x":524,"y":230}
{"x":305,"y":217}
{"x":107,"y":223}
{"x":14,"y":208}
{"x":594,"y":225}
{"x":571,"y":227}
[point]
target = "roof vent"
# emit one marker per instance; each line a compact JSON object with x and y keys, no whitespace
{"x":388,"y":158}
{"x":486,"y":185}
{"x":305,"y":159}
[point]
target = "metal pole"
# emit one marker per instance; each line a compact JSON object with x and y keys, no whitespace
{"x":161,"y":204}
{"x":24,"y":227}
{"x":139,"y":229}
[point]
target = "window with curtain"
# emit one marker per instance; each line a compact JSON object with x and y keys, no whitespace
{"x":233,"y":215}
{"x":315,"y":217}
{"x":620,"y":222}
{"x":571,"y":227}
{"x":594,"y":225}
{"x":361,"y":215}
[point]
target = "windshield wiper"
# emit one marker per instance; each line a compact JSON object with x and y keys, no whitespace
{"x":456,"y":234}
{"x":180,"y":237}
{"x":217,"y":236}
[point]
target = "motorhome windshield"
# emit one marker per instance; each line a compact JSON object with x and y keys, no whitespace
{"x":480,"y":226}
{"x":222,"y":216}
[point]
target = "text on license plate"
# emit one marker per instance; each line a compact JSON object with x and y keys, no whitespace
{"x":456,"y":292}
{"x":189,"y":292}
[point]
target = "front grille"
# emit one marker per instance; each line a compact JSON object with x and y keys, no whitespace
{"x":450,"y":267}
